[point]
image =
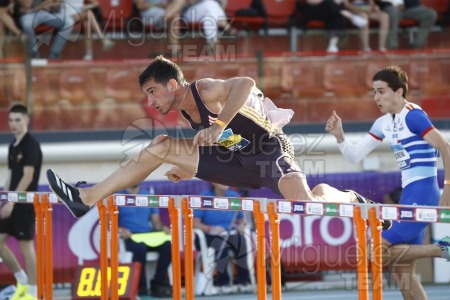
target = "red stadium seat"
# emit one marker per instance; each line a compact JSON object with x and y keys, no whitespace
{"x":122,"y":102}
{"x":250,"y":69}
{"x":217,"y":70}
{"x":189,"y":72}
{"x":341,"y":78}
{"x":121,"y":85}
{"x":437,"y":107}
{"x":243,"y":22}
{"x":428,"y":77}
{"x":440,"y":6}
{"x":280,"y":12}
{"x":6,"y":96}
{"x":302,"y":79}
{"x":353,"y":109}
{"x":79,"y":98}
{"x":271,"y":80}
{"x":44,"y":95}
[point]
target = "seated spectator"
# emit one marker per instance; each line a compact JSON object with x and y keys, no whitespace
{"x":367,"y":9}
{"x":6,"y":20}
{"x":142,"y":220}
{"x":408,"y":9}
{"x":217,"y":226}
{"x":159,"y":13}
{"x":329,"y":12}
{"x":79,"y":11}
{"x":212,"y":17}
{"x":52,"y":13}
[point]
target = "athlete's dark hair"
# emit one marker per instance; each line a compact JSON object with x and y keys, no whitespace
{"x":19,"y":108}
{"x":161,"y":70}
{"x":395,"y":78}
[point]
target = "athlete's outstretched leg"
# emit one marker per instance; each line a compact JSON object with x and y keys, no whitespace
{"x":163,"y":149}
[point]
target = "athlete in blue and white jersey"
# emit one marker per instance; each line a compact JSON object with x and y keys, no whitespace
{"x":416,"y":144}
{"x":405,"y":132}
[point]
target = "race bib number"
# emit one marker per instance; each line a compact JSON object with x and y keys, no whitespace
{"x":231,"y":141}
{"x":402,"y":156}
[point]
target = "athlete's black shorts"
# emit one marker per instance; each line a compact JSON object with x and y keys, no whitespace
{"x":260,"y":166}
{"x":21,"y":223}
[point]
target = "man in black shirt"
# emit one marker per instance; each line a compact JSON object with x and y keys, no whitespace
{"x":18,"y":219}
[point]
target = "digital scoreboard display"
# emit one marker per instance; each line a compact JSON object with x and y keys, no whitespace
{"x":88,"y":279}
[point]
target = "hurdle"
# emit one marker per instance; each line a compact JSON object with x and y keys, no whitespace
{"x":44,"y":245}
{"x":42,"y":203}
{"x":361,"y":242}
{"x":260,"y":208}
{"x":103,"y":217}
{"x":40,"y":258}
{"x":113,"y":213}
{"x":260,"y":251}
{"x":377,"y":253}
{"x":275,"y":262}
{"x":364,"y":216}
{"x":189,"y":251}
{"x":176,"y":260}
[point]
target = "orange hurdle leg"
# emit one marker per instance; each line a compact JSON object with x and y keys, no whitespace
{"x":176,"y":261}
{"x":188,"y":250}
{"x":275,"y":252}
{"x":39,"y":248}
{"x":103,"y":250}
{"x":377,"y":256}
{"x":361,"y":242}
{"x":260,"y":252}
{"x":114,"y":245}
{"x":47,"y":210}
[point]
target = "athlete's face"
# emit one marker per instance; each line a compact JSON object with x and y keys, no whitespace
{"x":386,"y":99}
{"x":161,"y":96}
{"x":18,"y":123}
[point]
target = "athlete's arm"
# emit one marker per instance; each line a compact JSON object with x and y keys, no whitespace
{"x":438,"y":141}
{"x":176,"y":174}
{"x":225,"y":98}
{"x":419,"y":123}
{"x":354,"y":153}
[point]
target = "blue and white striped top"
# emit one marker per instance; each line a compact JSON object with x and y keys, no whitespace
{"x":405,"y":131}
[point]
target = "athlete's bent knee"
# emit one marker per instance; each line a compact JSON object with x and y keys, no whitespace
{"x":320,"y":189}
{"x":159,"y":146}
